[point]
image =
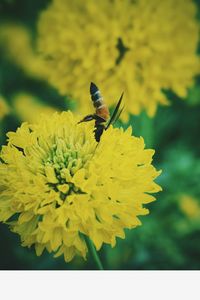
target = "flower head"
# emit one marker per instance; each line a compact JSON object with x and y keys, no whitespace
{"x":58,"y":184}
{"x":138,"y":47}
{"x":190,"y":206}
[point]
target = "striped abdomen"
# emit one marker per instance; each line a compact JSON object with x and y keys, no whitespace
{"x":97,"y":99}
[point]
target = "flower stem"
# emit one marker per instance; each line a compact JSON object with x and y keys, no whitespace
{"x":94,"y":254}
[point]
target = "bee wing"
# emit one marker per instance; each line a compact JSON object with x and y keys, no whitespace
{"x":118,"y":115}
{"x":115,"y":115}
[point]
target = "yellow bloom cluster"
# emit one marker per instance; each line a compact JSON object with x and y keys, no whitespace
{"x":58,"y":184}
{"x":138,"y":47}
{"x":16,"y":44}
{"x":4,"y":108}
{"x":29,"y":108}
{"x":190,"y":206}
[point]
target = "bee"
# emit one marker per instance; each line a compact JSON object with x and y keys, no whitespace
{"x":102,"y":115}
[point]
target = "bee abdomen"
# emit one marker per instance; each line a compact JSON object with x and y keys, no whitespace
{"x":97,"y":99}
{"x":95,"y":95}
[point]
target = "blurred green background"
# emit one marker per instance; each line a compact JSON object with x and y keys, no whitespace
{"x":170,"y":235}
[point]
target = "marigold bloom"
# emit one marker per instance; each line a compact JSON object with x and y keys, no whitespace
{"x":29,"y":108}
{"x":4,"y":108}
{"x":58,"y":185}
{"x":138,"y":47}
{"x":17,"y":45}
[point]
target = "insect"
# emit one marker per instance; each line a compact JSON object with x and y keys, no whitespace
{"x":101,"y":116}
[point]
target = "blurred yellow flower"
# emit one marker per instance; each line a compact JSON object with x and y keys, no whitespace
{"x":138,"y":47}
{"x":58,"y":185}
{"x":4,"y":108}
{"x":190,"y":206}
{"x":29,"y":108}
{"x":17,"y":45}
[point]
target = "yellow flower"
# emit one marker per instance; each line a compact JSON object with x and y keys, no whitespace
{"x":57,"y":184}
{"x":17,"y":45}
{"x":190,"y":206}
{"x":4,"y":108}
{"x":138,"y":47}
{"x":29,"y":108}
